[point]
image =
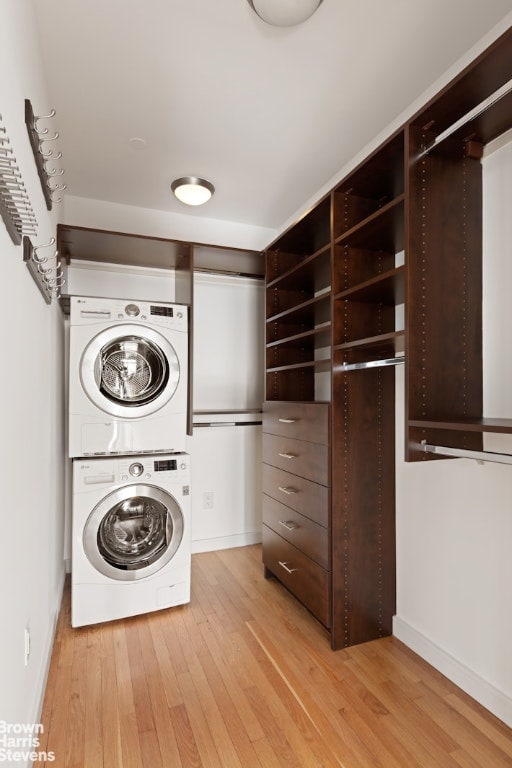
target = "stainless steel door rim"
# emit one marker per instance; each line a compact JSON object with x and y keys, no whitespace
{"x":129,"y":371}
{"x":133,"y":532}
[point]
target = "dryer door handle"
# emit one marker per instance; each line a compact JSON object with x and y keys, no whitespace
{"x":168,"y":529}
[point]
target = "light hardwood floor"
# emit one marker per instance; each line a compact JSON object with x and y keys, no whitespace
{"x":243,"y":677}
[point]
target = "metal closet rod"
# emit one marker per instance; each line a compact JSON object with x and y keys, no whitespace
{"x":227,"y":273}
{"x":371,"y":364}
{"x":207,"y":411}
{"x":462,"y":453}
{"x":475,"y":112}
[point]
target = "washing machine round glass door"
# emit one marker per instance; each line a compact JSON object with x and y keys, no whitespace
{"x":129,"y":371}
{"x":133,"y":532}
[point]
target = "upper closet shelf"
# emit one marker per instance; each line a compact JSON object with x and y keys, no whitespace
{"x":464,"y":425}
{"x":382,"y":230}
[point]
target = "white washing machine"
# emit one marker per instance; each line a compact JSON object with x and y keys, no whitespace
{"x":131,"y":536}
{"x":128,"y":383}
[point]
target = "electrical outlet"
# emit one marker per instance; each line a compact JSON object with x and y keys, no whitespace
{"x":26,"y":641}
{"x":208,"y":500}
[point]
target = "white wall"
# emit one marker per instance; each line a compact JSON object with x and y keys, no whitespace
{"x":229,"y":342}
{"x":454,"y":517}
{"x":226,"y":486}
{"x":31,"y":447}
{"x":228,"y":376}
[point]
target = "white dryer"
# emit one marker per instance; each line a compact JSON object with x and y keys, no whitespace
{"x":128,"y":383}
{"x":131,"y":536}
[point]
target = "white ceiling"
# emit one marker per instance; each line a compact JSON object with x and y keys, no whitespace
{"x":269,"y":115}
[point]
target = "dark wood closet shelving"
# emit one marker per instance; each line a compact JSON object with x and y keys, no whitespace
{"x":318,"y":365}
{"x":403,"y":228}
{"x":382,"y":229}
{"x":392,"y":343}
{"x":387,"y":288}
{"x":444,"y":257}
{"x":320,"y":335}
{"x":355,"y":270}
{"x":465,"y":425}
{"x":303,"y":311}
{"x":308,"y":270}
{"x":377,"y":181}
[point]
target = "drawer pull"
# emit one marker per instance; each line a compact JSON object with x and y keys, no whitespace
{"x":289,"y":526}
{"x":288,"y":570}
{"x":287,"y":455}
{"x":287,"y":421}
{"x":288,"y":491}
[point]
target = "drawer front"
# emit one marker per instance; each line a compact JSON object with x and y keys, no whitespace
{"x":309,"y":460}
{"x":304,"y":421}
{"x":303,"y":533}
{"x":306,"y":497}
{"x":304,"y":578}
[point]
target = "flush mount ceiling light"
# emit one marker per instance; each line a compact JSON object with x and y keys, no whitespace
{"x":284,"y":13}
{"x":192,"y":190}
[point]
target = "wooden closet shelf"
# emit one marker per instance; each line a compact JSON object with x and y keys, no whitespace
{"x":386,"y":288}
{"x":382,"y":230}
{"x":384,"y":342}
{"x":305,"y":269}
{"x":464,"y":425}
{"x":319,"y":337}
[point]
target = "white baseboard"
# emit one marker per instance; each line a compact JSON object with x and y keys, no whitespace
{"x":226,"y":542}
{"x":492,"y":698}
{"x":40,"y":688}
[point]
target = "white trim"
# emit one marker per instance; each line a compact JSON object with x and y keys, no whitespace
{"x":492,"y":698}
{"x":226,"y":542}
{"x":42,"y":678}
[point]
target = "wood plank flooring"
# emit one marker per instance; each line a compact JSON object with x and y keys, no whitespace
{"x":244,"y":677}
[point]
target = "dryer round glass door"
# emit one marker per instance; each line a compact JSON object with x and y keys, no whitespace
{"x":129,"y":371}
{"x":133,"y":532}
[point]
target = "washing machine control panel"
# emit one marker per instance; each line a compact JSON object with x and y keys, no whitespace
{"x":91,"y":310}
{"x":174,"y":467}
{"x":164,"y":469}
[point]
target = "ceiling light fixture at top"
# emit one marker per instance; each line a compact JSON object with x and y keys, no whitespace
{"x":192,"y":190}
{"x":284,"y":13}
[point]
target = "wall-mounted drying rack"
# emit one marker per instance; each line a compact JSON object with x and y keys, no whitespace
{"x":463,"y":453}
{"x":46,"y":270}
{"x":38,"y":137}
{"x":15,"y":207}
{"x":371,"y":364}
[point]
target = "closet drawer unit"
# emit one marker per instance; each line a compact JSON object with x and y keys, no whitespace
{"x":304,"y":421}
{"x":306,"y":497}
{"x":304,"y":578}
{"x":308,"y":460}
{"x":303,"y":533}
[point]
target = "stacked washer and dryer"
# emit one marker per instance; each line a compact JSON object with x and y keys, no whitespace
{"x":128,"y":394}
